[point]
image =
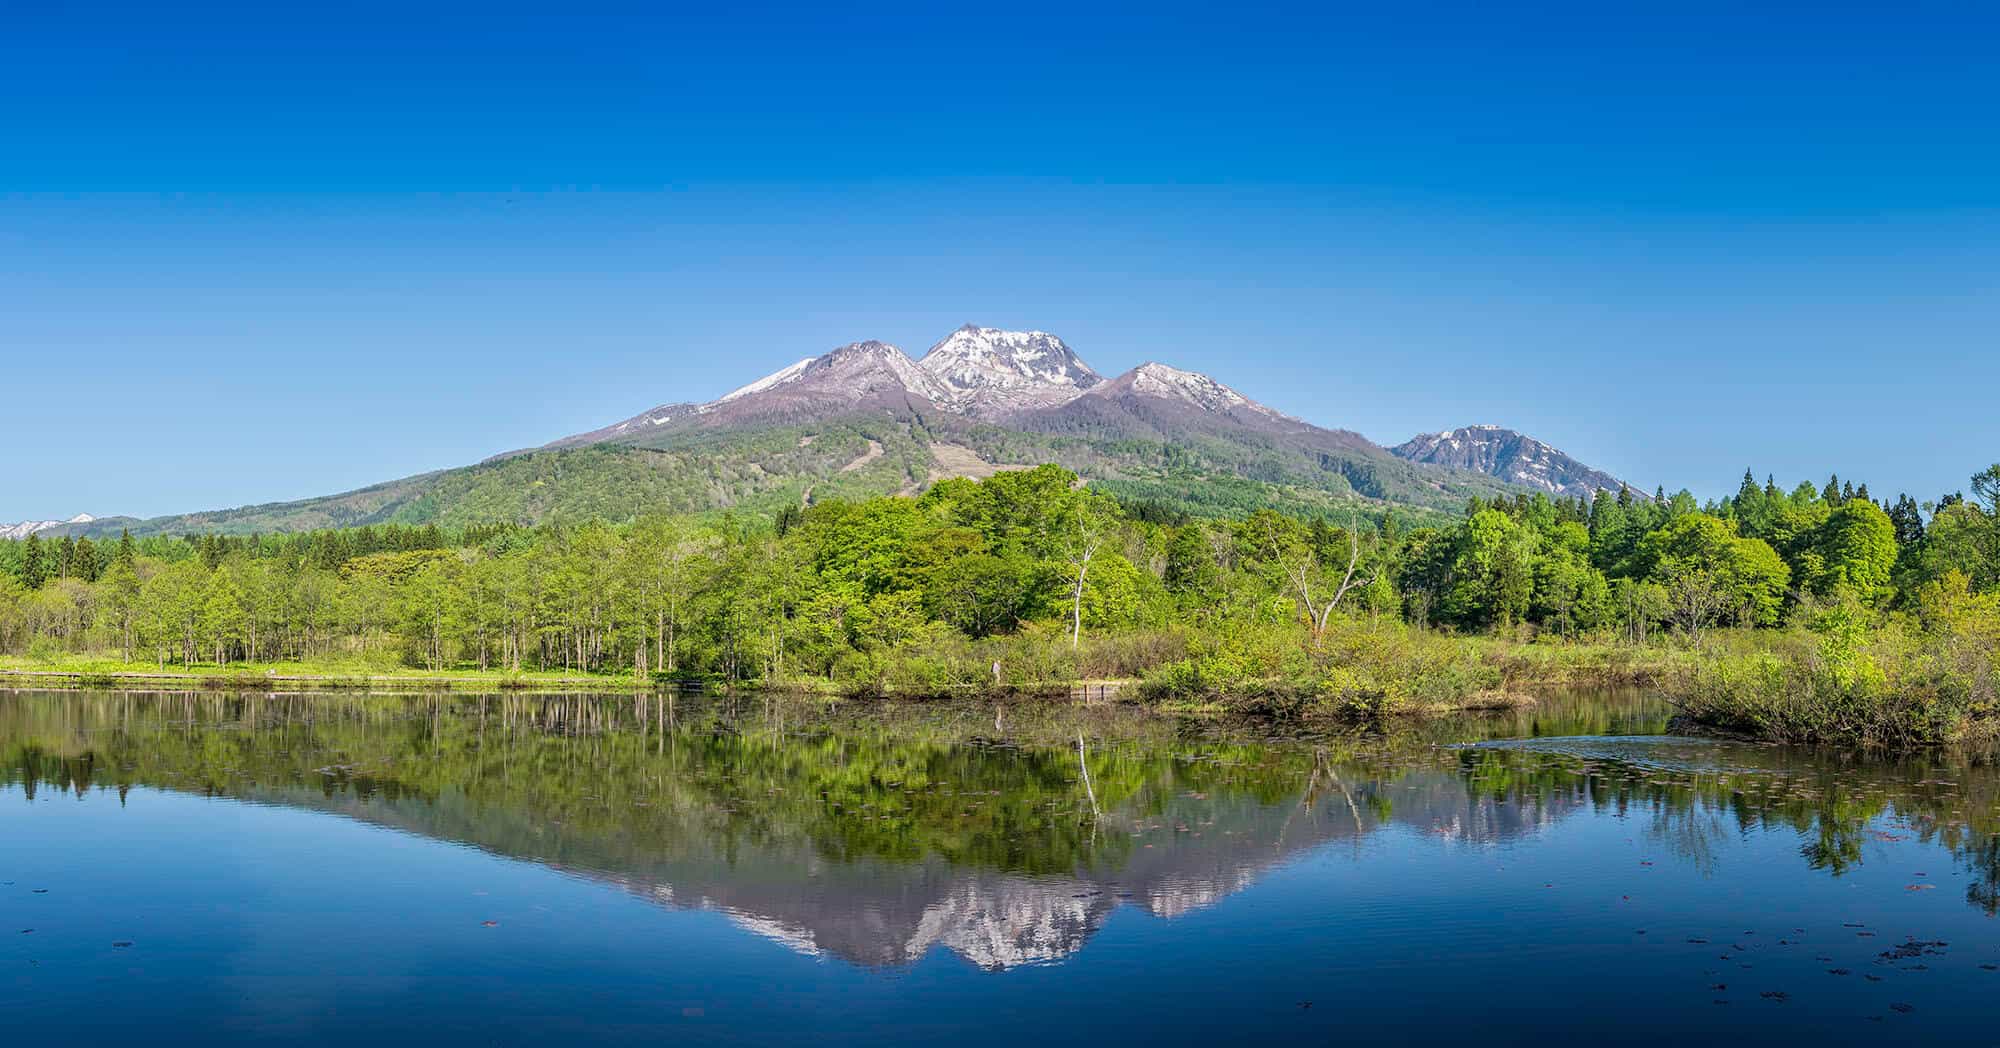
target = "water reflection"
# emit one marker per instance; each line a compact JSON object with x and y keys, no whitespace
{"x":876,"y":834}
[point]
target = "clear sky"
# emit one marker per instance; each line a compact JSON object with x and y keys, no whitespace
{"x":273,"y":251}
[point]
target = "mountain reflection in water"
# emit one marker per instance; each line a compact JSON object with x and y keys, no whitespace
{"x":875,"y":834}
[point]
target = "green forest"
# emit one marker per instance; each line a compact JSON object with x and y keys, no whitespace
{"x":1809,"y":612}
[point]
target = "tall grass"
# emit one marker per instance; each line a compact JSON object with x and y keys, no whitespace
{"x":1368,"y":668}
{"x":1925,"y":679}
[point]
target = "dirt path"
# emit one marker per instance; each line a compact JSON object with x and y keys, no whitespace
{"x":874,"y":452}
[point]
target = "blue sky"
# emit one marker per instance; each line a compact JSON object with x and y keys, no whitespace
{"x":253,"y":253}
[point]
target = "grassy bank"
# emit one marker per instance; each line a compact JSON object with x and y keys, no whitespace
{"x":1356,"y":668}
{"x":1840,"y":677}
{"x":1372,"y":669}
{"x":1924,"y":682}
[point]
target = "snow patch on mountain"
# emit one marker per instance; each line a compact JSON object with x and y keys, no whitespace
{"x":779,"y":377}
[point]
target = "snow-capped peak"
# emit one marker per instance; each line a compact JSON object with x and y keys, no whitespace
{"x":994,"y":371}
{"x":28,"y":527}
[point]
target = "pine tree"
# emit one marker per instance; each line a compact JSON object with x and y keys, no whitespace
{"x":1831,"y":493}
{"x":85,"y":564}
{"x":1909,"y":521}
{"x":34,"y":562}
{"x":127,"y":549}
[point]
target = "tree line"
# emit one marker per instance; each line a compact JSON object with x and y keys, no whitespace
{"x":1030,"y":558}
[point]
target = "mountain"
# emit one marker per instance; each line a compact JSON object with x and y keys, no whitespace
{"x":865,"y":419}
{"x":1512,"y":457}
{"x":1165,"y":401}
{"x":992,"y":374}
{"x":30,"y":527}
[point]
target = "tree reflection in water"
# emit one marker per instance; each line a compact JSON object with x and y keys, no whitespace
{"x":875,"y":833}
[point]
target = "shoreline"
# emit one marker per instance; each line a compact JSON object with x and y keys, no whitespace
{"x":67,"y":680}
{"x":1122,"y":692}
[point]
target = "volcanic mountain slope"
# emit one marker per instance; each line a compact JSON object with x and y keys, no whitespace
{"x":1514,"y":458}
{"x":868,"y":378}
{"x":865,"y":419}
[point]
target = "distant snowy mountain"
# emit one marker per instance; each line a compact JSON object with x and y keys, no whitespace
{"x":866,"y":419}
{"x":978,"y":374}
{"x":30,"y":527}
{"x":1511,"y":457}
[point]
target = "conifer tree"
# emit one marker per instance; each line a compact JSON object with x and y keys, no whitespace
{"x":34,"y":562}
{"x":1909,"y":522}
{"x":85,"y":564}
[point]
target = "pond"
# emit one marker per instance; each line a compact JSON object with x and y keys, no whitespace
{"x":745,"y":869}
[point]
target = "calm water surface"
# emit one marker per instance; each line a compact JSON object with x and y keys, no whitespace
{"x":271,"y":869}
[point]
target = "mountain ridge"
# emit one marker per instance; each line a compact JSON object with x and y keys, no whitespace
{"x":1511,"y":456}
{"x":25,"y":528}
{"x":865,"y":418}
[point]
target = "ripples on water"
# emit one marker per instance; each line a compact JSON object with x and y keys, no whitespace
{"x":319,"y":868}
